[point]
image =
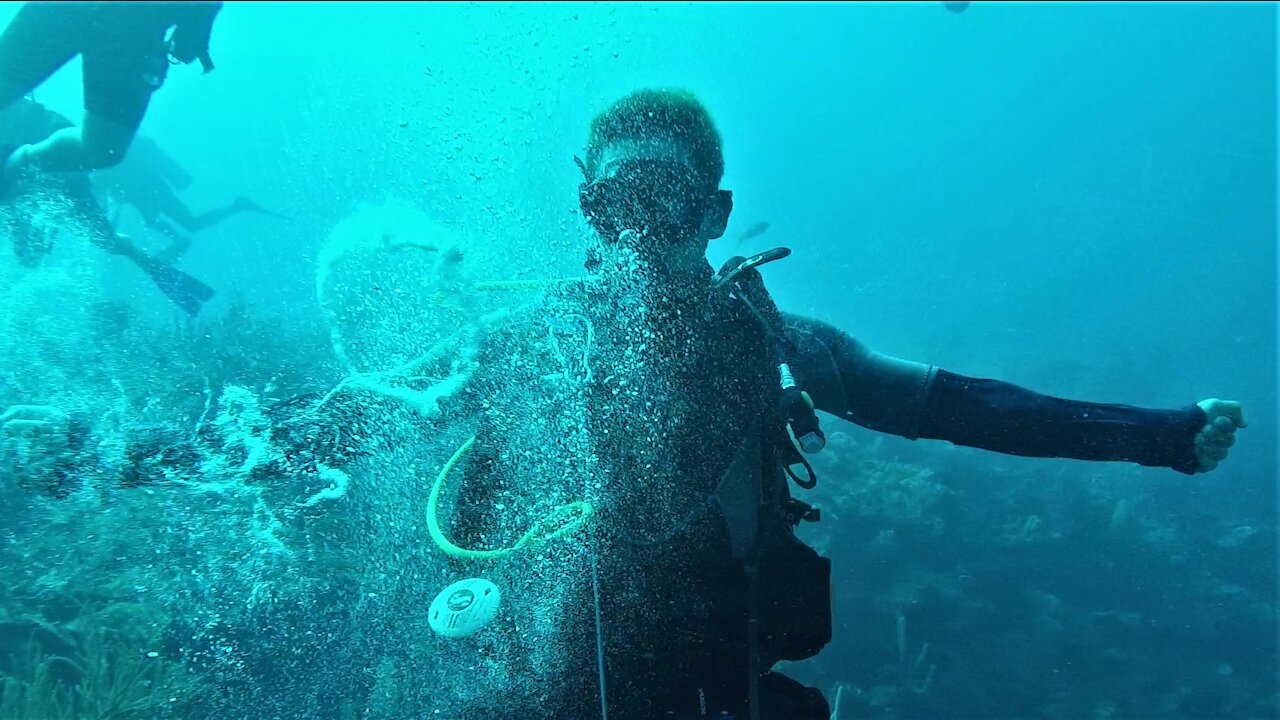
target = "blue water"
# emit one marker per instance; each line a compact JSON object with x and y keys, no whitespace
{"x":1080,"y":199}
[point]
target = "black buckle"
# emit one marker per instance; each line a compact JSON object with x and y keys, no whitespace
{"x":796,"y":511}
{"x":737,"y":265}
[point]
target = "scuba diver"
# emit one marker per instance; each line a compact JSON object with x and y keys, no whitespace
{"x":148,"y":179}
{"x":126,"y":56}
{"x":699,"y":583}
{"x":681,"y":403}
{"x":28,"y":121}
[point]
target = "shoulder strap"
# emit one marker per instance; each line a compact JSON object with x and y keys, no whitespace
{"x":740,"y":278}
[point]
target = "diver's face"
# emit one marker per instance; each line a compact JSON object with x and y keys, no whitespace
{"x":647,"y":191}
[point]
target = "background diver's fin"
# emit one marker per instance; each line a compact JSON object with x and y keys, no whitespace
{"x":184,"y":290}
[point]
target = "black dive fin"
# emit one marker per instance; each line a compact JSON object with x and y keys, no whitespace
{"x":184,"y":290}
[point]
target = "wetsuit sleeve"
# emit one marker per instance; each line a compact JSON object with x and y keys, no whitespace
{"x":1002,"y":417}
{"x":191,"y":34}
{"x":850,"y":380}
{"x":913,"y":400}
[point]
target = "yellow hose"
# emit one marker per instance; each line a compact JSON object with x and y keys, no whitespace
{"x":563,"y":521}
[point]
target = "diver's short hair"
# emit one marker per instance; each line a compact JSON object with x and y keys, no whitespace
{"x":661,"y":113}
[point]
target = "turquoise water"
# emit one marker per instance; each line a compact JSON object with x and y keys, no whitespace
{"x":1079,"y":199}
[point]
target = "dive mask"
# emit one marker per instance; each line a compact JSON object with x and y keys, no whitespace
{"x":655,"y":198}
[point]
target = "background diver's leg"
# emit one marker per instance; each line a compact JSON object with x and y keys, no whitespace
{"x":167,"y":202}
{"x":118,"y":82}
{"x":101,"y":143}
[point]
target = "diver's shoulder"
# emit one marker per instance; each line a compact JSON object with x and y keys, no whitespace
{"x":807,"y":326}
{"x":811,"y":335}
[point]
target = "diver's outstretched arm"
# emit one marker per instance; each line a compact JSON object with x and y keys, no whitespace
{"x":922,"y":401}
{"x":1000,"y":416}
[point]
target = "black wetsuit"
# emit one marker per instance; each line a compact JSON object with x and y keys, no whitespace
{"x":673,"y":588}
{"x":849,"y":380}
{"x":123,"y":45}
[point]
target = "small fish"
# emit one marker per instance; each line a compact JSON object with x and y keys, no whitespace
{"x":956,"y":7}
{"x":754,"y":231}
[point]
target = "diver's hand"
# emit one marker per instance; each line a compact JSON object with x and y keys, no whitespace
{"x":37,"y":435}
{"x":1222,"y":418}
